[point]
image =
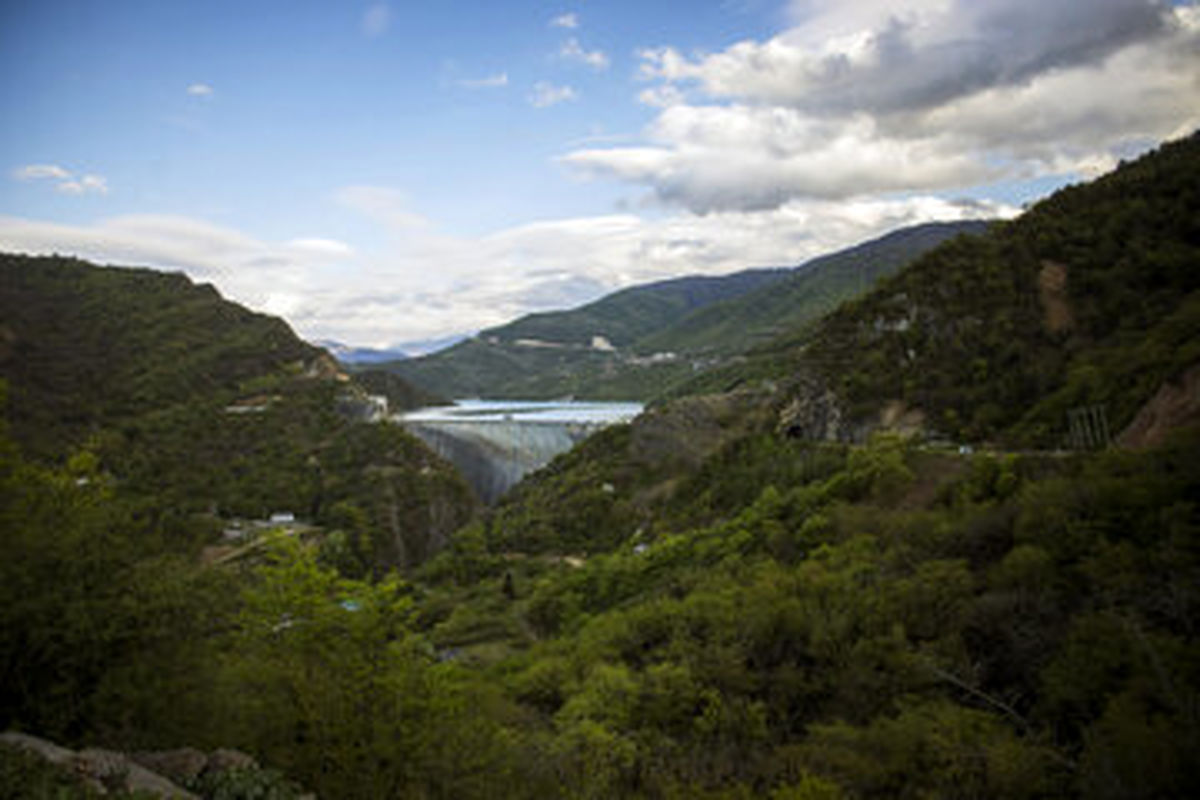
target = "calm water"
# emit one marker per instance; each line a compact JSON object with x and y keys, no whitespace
{"x":548,"y":411}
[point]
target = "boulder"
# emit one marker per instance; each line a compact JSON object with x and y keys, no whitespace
{"x":47,"y":750}
{"x":183,"y":765}
{"x":116,"y":772}
{"x":225,"y":759}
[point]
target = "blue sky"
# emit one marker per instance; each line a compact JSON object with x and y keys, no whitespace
{"x":388,"y":171}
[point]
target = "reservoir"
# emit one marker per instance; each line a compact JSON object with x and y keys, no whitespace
{"x":496,"y":443}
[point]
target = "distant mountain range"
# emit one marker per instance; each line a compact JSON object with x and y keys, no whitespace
{"x":356,"y":357}
{"x":350,"y":355}
{"x":423,"y":347}
{"x":635,"y":343}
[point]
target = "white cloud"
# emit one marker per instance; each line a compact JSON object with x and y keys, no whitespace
{"x":571,"y":50}
{"x":290,"y":277}
{"x":546,"y":94}
{"x":496,"y":81}
{"x":200,"y":90}
{"x":34,"y":172}
{"x":86,"y":184}
{"x":874,"y":57}
{"x":376,"y":19}
{"x":426,"y":284}
{"x":862,"y":118}
{"x":569,"y":21}
{"x":868,"y":97}
{"x":66,"y":182}
{"x":751,"y":157}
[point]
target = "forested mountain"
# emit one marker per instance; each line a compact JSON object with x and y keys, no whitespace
{"x":799,"y":589}
{"x":1086,"y":302}
{"x":626,"y":316}
{"x":205,"y":410}
{"x":575,"y":352}
{"x":84,"y":347}
{"x":657,"y":335}
{"x":727,"y":599}
{"x":156,"y":443}
{"x":810,"y":291}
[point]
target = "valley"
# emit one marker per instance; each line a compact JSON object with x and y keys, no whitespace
{"x":923,"y":525}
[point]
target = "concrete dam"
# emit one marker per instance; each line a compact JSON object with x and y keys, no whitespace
{"x":497,"y":443}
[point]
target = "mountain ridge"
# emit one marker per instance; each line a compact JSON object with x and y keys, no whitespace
{"x":633,"y":344}
{"x":205,"y":410}
{"x":1088,"y":300}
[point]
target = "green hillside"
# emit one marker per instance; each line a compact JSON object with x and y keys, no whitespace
{"x":204,"y":411}
{"x":552,"y":355}
{"x":85,"y":346}
{"x":812,"y":290}
{"x":662,"y":333}
{"x":626,"y":316}
{"x":1088,"y":300}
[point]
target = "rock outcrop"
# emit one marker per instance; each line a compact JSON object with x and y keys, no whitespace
{"x":157,"y":774}
{"x":814,"y":413}
{"x":1175,"y":405}
{"x":100,"y":770}
{"x":689,"y":429}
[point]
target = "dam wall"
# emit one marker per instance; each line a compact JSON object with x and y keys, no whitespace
{"x":495,"y":456}
{"x":495,"y":445}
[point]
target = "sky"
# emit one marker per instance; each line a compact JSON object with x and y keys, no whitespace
{"x":380,"y":173}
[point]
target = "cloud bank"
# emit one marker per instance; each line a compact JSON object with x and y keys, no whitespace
{"x":859,"y":99}
{"x":858,"y":119}
{"x":427,"y":284}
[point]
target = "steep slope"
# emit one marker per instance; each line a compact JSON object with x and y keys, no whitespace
{"x":626,"y":316}
{"x":812,"y":290}
{"x":204,"y":411}
{"x":84,"y":346}
{"x":1056,"y":326}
